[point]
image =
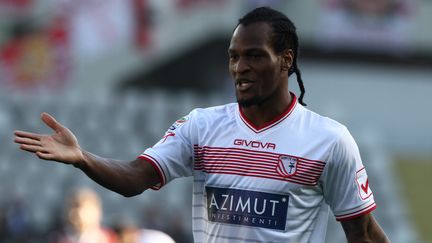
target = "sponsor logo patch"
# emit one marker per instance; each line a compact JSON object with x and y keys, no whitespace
{"x":287,"y":166}
{"x":243,"y":207}
{"x":173,"y":127}
{"x":179,"y":123}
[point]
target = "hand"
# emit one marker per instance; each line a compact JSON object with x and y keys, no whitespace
{"x":62,"y":146}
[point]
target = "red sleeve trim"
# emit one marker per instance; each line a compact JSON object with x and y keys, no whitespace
{"x":356,"y":214}
{"x":158,"y":169}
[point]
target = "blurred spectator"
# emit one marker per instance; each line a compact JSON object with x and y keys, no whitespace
{"x":84,"y":217}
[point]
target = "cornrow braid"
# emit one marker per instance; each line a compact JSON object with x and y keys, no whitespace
{"x":294,"y":68}
{"x":300,"y":82}
{"x":284,"y":37}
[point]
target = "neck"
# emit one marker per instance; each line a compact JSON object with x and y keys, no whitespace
{"x":263,"y":113}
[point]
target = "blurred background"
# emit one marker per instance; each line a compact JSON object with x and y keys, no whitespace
{"x":118,"y":73}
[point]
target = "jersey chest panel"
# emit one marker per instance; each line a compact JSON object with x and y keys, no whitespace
{"x":266,"y":162}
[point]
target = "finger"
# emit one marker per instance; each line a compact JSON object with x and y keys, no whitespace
{"x":32,"y":148}
{"x":27,"y":135}
{"x":51,"y":122}
{"x":28,"y":141}
{"x":45,"y":156}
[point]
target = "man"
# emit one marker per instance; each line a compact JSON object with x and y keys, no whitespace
{"x":84,"y":220}
{"x":266,"y":169}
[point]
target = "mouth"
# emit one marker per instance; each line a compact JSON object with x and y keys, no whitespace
{"x":243,"y":84}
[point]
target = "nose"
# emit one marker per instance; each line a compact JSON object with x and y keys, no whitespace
{"x":241,"y":65}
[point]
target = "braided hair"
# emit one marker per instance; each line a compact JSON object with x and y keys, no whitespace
{"x":284,"y":36}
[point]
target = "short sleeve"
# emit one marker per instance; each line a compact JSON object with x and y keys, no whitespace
{"x":345,"y":183}
{"x":172,"y":156}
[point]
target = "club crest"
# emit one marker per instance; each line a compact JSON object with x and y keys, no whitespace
{"x":287,"y":165}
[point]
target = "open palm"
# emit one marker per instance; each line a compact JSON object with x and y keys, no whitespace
{"x":61,"y":146}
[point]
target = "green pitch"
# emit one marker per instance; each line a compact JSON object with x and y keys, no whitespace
{"x":415,"y":177}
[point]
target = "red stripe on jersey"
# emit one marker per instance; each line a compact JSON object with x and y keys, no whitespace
{"x":271,"y":123}
{"x":209,"y":150}
{"x":263,"y":176}
{"x":240,"y":157}
{"x":255,"y":163}
{"x":218,"y":152}
{"x":229,"y":163}
{"x":357,"y":213}
{"x":247,"y":168}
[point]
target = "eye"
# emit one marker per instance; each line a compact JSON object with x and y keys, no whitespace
{"x":233,"y":57}
{"x":255,"y":56}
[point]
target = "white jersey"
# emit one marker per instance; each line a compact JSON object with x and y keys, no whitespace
{"x":273,"y":183}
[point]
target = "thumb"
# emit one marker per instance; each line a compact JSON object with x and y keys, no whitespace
{"x":51,"y":122}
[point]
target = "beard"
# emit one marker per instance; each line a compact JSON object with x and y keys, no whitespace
{"x":245,"y":103}
{"x":254,"y":101}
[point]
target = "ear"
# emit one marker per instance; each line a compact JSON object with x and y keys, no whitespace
{"x":287,"y":59}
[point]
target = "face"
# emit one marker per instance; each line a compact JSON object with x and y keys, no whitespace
{"x":85,"y":212}
{"x":259,"y":74}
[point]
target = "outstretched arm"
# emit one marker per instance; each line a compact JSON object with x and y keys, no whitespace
{"x":126,"y":178}
{"x":364,"y":229}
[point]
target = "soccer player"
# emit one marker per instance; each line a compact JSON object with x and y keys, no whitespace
{"x":265,"y":169}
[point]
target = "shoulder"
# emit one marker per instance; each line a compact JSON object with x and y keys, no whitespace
{"x":321,"y":126}
{"x":340,"y":144}
{"x":203,"y":119}
{"x":215,"y":110}
{"x":214,"y":113}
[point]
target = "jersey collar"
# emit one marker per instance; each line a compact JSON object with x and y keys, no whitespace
{"x":272,"y":123}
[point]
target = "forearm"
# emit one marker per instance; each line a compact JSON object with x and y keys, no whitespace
{"x":364,"y":229}
{"x":126,"y":178}
{"x":373,"y":237}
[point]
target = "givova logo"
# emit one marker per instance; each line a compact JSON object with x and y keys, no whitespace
{"x":243,"y":207}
